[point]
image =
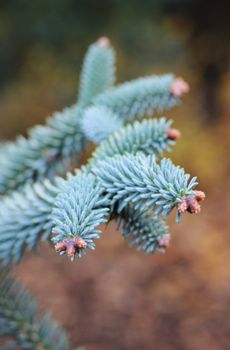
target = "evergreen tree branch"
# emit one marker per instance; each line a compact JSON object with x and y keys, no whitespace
{"x":124,"y":180}
{"x":52,"y":148}
{"x":25,"y":215}
{"x":121,"y":178}
{"x":19,"y":320}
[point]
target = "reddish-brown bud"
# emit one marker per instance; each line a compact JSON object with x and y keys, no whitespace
{"x":173,"y":134}
{"x":71,"y":246}
{"x":191,"y":203}
{"x":164,"y":241}
{"x":179,"y":87}
{"x":103,"y":42}
{"x":71,"y":250}
{"x":194,"y":207}
{"x":200,"y":195}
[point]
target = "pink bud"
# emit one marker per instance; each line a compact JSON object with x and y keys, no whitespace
{"x":81,"y":243}
{"x":103,"y":42}
{"x":200,"y":195}
{"x":179,"y":87}
{"x":182,"y":206}
{"x":173,"y":134}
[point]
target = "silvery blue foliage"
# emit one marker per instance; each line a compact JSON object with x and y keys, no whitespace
{"x":148,"y":136}
{"x":19,"y":320}
{"x":53,"y":148}
{"x":98,"y":72}
{"x":143,"y":229}
{"x":124,"y":180}
{"x":56,"y":146}
{"x":25,"y":216}
{"x":122,"y":170}
{"x":128,"y":187}
{"x":25,"y":219}
{"x":80,"y":207}
{"x":140,"y":180}
{"x":140,"y":97}
{"x":98,"y":122}
{"x":49,"y":150}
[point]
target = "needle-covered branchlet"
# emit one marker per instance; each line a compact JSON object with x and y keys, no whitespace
{"x":191,"y":203}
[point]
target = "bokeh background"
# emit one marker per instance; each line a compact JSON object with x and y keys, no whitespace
{"x":116,"y":298}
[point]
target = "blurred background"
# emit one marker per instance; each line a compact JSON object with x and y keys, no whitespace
{"x":116,"y":298}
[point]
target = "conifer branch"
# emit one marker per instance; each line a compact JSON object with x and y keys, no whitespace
{"x":55,"y":147}
{"x":122,"y":180}
{"x":25,"y":215}
{"x":19,"y":320}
